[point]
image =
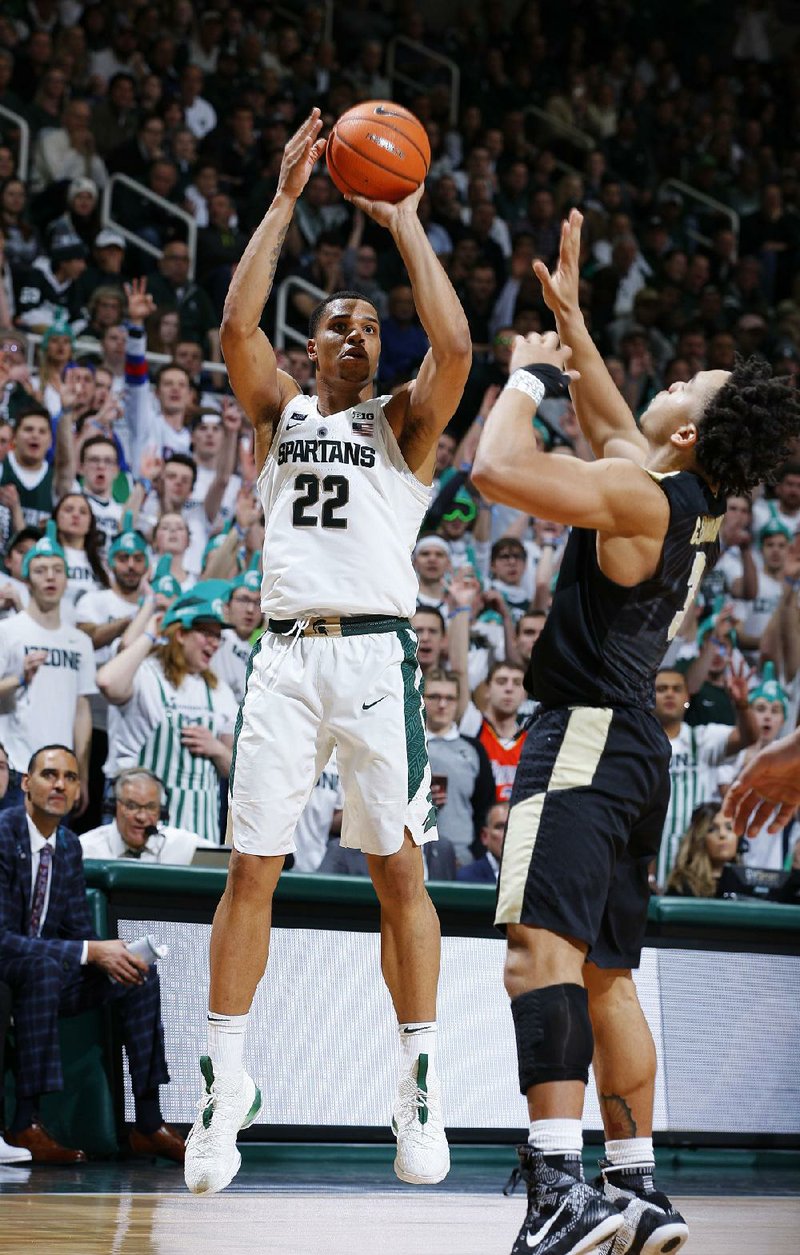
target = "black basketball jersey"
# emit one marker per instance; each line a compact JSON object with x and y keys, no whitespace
{"x":602,"y":644}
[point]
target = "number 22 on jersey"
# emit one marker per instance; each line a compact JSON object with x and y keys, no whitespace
{"x":336,"y":494}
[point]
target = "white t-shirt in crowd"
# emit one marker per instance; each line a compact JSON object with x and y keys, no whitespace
{"x":765,"y":512}
{"x":103,"y":606}
{"x":205,"y":478}
{"x":44,"y":712}
{"x":80,"y":581}
{"x":107,"y":516}
{"x":757,"y":613}
{"x":230,"y":662}
{"x":314,"y":825}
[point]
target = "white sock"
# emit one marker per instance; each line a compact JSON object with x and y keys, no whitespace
{"x":556,"y":1137}
{"x":415,"y":1040}
{"x":631,"y":1152}
{"x":226,"y":1041}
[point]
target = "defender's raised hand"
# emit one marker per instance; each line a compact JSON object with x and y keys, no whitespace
{"x":300,"y":155}
{"x":538,"y":350}
{"x":560,"y":289}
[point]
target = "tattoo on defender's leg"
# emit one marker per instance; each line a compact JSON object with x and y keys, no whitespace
{"x":618,"y":1117}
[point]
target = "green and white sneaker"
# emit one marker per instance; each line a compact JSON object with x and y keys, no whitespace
{"x":423,"y":1156}
{"x":228,"y":1105}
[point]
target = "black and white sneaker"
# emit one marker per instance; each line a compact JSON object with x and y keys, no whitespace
{"x":650,"y":1224}
{"x":565,"y":1216}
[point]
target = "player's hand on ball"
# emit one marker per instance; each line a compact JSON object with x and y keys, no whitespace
{"x":300,"y":155}
{"x":546,"y":350}
{"x":386,"y":215}
{"x":560,"y":289}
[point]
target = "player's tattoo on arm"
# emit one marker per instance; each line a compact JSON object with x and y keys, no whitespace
{"x":272,"y":261}
{"x":619,"y":1119}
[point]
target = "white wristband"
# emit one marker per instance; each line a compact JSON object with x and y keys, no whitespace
{"x":525,"y":382}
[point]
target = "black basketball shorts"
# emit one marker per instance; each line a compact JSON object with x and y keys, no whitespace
{"x":586,"y":816}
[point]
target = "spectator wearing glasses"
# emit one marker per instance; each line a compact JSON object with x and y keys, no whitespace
{"x":177,"y":717}
{"x":245,"y":618}
{"x":135,"y":832}
{"x":507,"y":568}
{"x":99,"y":467}
{"x":462,"y":784}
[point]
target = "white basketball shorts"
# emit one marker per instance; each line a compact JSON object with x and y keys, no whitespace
{"x":307,"y":694}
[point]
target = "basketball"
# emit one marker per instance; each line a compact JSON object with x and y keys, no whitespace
{"x":379,"y":150}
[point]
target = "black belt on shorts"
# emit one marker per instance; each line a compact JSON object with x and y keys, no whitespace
{"x":334,"y":625}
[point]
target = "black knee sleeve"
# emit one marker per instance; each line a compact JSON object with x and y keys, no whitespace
{"x":554,"y":1035}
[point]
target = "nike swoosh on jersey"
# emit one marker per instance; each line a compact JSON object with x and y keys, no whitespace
{"x":369,"y":705}
{"x":292,"y":423}
{"x":533,"y":1239}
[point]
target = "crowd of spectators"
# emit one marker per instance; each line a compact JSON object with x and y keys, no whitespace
{"x":126,"y":468}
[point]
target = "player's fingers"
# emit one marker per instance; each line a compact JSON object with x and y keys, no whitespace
{"x":542,"y":274}
{"x":760,"y":816}
{"x":783,"y":817}
{"x":550,"y":339}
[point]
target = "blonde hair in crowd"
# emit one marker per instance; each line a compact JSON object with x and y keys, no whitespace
{"x":173,"y":659}
{"x":693,"y":870}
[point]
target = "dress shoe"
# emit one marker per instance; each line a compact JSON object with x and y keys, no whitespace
{"x":13,"y":1154}
{"x":164,"y":1142}
{"x":43,"y":1147}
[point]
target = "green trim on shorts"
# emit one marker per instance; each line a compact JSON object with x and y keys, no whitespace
{"x":254,"y":652}
{"x":416,"y":745}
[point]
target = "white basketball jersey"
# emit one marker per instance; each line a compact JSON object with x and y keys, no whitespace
{"x":342,"y":514}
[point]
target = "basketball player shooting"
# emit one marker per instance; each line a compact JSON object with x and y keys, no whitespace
{"x":592,"y":788}
{"x":345,"y":483}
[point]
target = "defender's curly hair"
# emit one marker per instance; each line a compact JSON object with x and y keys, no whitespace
{"x":744,"y":435}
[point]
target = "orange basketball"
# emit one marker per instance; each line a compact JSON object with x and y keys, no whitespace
{"x":378,"y":150}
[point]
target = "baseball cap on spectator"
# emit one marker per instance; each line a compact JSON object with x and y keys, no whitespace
{"x":82,"y":185}
{"x":46,"y":547}
{"x":108,"y":239}
{"x":66,"y":246}
{"x":207,"y":418}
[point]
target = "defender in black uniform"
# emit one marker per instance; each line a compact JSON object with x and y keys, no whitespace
{"x":592,"y":787}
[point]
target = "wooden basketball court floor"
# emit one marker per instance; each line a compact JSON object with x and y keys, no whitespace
{"x":143,"y":1209}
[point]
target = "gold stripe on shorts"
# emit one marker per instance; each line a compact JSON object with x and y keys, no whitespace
{"x":575,"y":767}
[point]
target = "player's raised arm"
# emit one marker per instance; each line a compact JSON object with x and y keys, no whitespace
{"x":419,"y":413}
{"x":612,"y":496}
{"x":605,"y":419}
{"x":260,"y":387}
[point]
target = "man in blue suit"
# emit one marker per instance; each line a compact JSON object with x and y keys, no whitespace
{"x":484,"y":870}
{"x":54,"y":964}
